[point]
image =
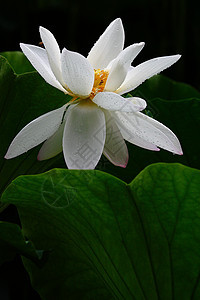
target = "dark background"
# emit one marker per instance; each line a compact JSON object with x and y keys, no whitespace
{"x":166,"y":26}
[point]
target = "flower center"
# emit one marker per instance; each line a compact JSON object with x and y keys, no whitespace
{"x":100,"y":78}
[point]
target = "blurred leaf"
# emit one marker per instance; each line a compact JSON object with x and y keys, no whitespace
{"x":18,"y":62}
{"x":12,"y":242}
{"x":111,"y":240}
{"x":162,"y":87}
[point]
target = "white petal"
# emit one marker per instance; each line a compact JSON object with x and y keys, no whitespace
{"x":53,"y":145}
{"x":149,"y":130}
{"x":119,"y":67}
{"x":115,"y":148}
{"x":84,"y":136}
{"x":108,"y":46}
{"x":53,"y":52}
{"x":36,"y":132}
{"x":114,"y":102}
{"x":38,"y":58}
{"x":78,"y":74}
{"x":146,"y":70}
{"x":127,"y":131}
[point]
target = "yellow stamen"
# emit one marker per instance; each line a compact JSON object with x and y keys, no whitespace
{"x":100,"y":78}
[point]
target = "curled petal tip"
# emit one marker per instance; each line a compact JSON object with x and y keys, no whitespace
{"x":9,"y":154}
{"x":141,"y":44}
{"x":43,"y":29}
{"x":123,"y":166}
{"x":180,"y":153}
{"x":21,"y":45}
{"x":118,"y":20}
{"x":64,"y":49}
{"x":126,"y":162}
{"x":177,"y":56}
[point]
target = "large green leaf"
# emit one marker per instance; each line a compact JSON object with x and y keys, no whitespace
{"x":109,"y":239}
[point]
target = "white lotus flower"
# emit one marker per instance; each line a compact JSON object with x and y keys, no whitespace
{"x":98,"y":118}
